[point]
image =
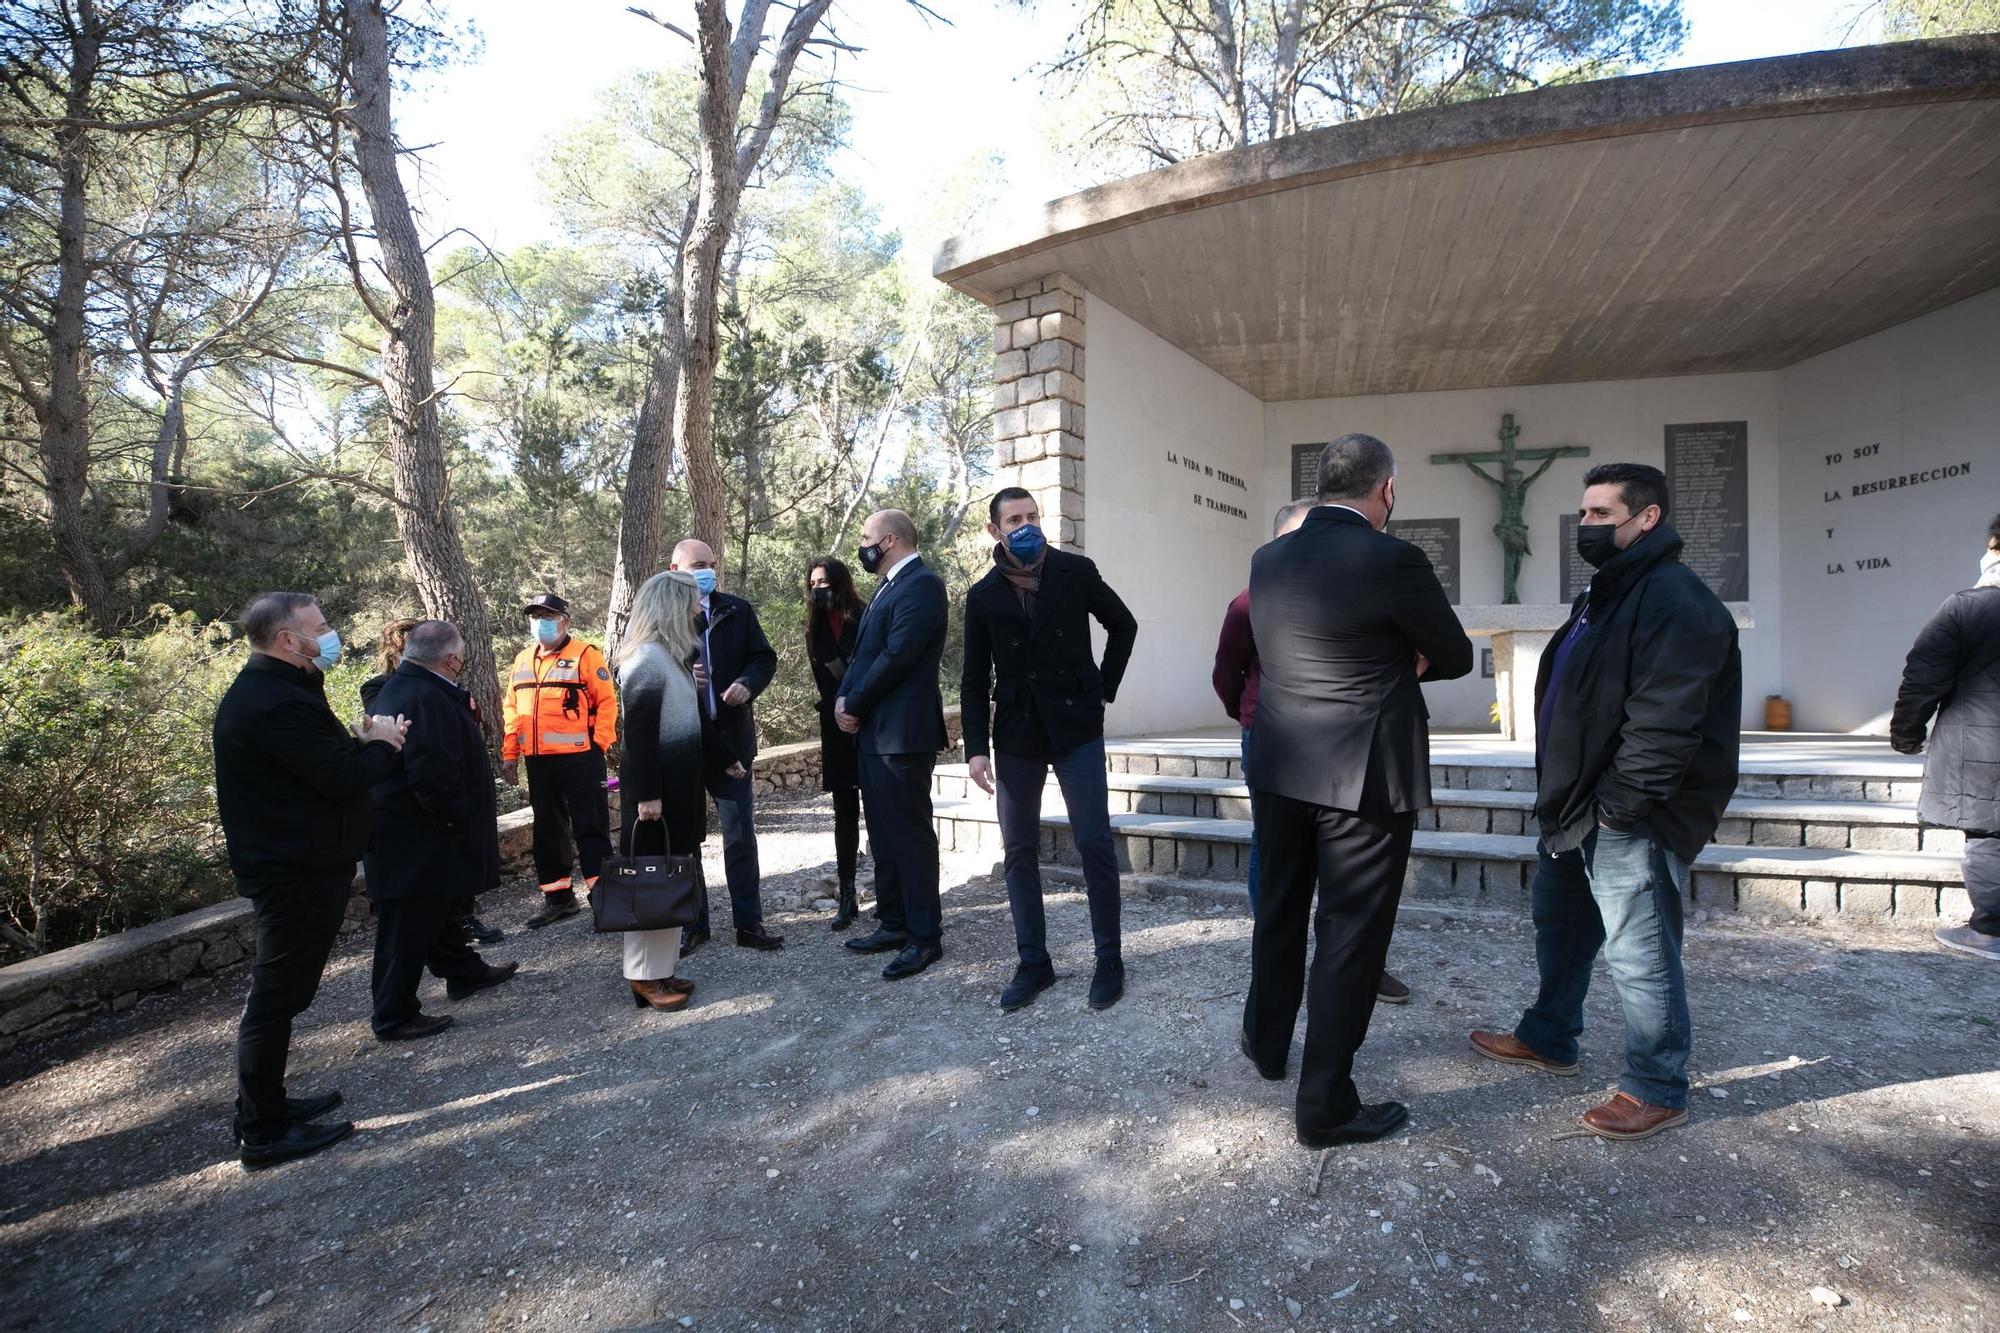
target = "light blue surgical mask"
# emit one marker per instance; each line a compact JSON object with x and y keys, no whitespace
{"x":704,"y":579}
{"x":329,"y":650}
{"x":548,"y":633}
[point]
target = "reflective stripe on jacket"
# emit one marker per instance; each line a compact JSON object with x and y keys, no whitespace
{"x":559,"y":701}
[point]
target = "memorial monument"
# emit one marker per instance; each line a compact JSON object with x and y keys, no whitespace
{"x":1513,"y":484}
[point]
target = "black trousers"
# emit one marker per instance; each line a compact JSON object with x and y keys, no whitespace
{"x":1982,"y":882}
{"x":566,"y":792}
{"x":1357,"y":862}
{"x":896,"y":796}
{"x":411,"y":934}
{"x":847,"y":834}
{"x":297,"y":923}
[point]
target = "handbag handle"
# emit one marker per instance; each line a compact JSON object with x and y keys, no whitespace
{"x":631,"y":843}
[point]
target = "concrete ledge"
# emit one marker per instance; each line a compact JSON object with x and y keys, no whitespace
{"x":61,"y":991}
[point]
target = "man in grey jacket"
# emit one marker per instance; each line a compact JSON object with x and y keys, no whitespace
{"x":1954,"y":671}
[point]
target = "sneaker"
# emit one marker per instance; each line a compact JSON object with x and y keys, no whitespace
{"x":1391,"y":991}
{"x":557,"y":906}
{"x":1964,"y":939}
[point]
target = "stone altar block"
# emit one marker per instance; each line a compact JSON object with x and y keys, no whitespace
{"x":1520,"y":635}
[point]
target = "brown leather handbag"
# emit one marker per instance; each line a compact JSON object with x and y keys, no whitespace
{"x":646,"y":891}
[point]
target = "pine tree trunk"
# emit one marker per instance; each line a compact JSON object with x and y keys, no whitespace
{"x":642,"y":522}
{"x":424,"y":516}
{"x":64,"y":416}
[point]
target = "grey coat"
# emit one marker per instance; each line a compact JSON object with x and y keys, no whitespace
{"x":1954,"y":671}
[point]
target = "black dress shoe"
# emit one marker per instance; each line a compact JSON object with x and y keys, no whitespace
{"x":1391,"y":991}
{"x":849,"y":909}
{"x":881,"y":941}
{"x":297,"y":1141}
{"x":692,"y":940}
{"x":482,"y":933}
{"x":300,"y":1109}
{"x":1107,"y":985}
{"x":758,"y":937}
{"x":1030,"y":980}
{"x":1270,"y":1075}
{"x":423,"y":1025}
{"x":458,"y":988}
{"x":1369,"y":1124}
{"x":557,"y":906}
{"x":913,"y":959}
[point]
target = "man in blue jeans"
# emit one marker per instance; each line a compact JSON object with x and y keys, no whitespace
{"x":1638,"y":707}
{"x":1028,"y":662}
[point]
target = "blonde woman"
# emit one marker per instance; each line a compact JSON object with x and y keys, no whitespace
{"x":670,"y":753}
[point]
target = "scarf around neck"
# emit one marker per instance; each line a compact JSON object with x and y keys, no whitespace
{"x":1025,"y":579}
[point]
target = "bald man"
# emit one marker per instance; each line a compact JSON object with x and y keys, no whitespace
{"x":737,"y":663}
{"x":889,"y":700}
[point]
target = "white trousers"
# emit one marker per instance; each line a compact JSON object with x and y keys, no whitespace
{"x":651,"y":955}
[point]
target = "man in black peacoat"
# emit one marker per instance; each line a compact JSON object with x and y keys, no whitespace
{"x":1028,"y":660}
{"x":434,"y":840}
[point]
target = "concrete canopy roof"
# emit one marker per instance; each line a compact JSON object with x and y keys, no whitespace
{"x":1723,"y":218}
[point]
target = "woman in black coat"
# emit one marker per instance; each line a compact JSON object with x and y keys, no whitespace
{"x":833,"y":620}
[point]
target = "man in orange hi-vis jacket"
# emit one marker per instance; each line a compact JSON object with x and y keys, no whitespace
{"x":561,"y":714}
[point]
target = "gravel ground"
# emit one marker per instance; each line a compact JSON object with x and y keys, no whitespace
{"x":810,"y":1147}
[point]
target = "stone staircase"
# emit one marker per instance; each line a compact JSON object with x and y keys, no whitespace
{"x":1805,"y":838}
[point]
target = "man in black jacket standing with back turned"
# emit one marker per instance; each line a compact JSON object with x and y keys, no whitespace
{"x":291,"y":787}
{"x":1028,"y":662}
{"x":435,"y":841}
{"x":1638,"y":717}
{"x":1347,"y":620}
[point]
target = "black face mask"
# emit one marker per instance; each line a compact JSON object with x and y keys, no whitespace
{"x":871,"y":557}
{"x":1598,"y":542}
{"x":822,"y":597}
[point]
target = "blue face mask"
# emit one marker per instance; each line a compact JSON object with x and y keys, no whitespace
{"x":704,"y":579}
{"x":548,"y":633}
{"x":1027,"y":543}
{"x":329,"y":651}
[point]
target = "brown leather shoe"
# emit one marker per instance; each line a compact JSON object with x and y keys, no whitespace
{"x":1626,"y":1117}
{"x":1391,"y":991}
{"x":1511,"y":1050}
{"x":678,"y":985}
{"x":655,"y":995}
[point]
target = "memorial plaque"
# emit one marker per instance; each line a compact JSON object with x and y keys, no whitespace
{"x":1437,"y":538}
{"x":1486,"y":664}
{"x":1708,"y":476}
{"x":1305,"y":470}
{"x":1576,"y":571}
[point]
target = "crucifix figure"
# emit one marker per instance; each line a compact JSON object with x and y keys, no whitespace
{"x":1513,"y":486}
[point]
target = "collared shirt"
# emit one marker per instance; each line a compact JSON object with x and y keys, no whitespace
{"x":897,"y":568}
{"x":707,"y":658}
{"x":1335,"y":504}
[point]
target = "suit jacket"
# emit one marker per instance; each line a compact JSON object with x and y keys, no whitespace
{"x":435,"y":834}
{"x":740,"y":655}
{"x":1339,"y":612}
{"x":892,"y":680}
{"x":1041,"y":662}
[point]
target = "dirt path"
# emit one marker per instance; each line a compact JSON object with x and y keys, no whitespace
{"x":810,"y":1147}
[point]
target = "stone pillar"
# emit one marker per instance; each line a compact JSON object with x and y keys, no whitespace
{"x":1038,"y":401}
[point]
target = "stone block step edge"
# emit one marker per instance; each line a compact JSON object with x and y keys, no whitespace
{"x":1214,"y":752}
{"x":1884,"y":867}
{"x":1796,"y":808}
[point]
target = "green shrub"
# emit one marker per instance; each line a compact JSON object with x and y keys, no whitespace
{"x":107,"y":806}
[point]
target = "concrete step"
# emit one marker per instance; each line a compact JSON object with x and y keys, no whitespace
{"x":1463,"y":768}
{"x":1801,"y":883}
{"x":1869,"y":826}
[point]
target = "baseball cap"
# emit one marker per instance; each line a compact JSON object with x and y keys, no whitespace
{"x":546,"y":601}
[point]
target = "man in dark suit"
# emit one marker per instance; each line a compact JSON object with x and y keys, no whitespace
{"x":1347,"y":619}
{"x":291,"y":787}
{"x":1027,"y":652}
{"x":889,"y":699}
{"x":435,"y":841}
{"x":737,"y":663}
